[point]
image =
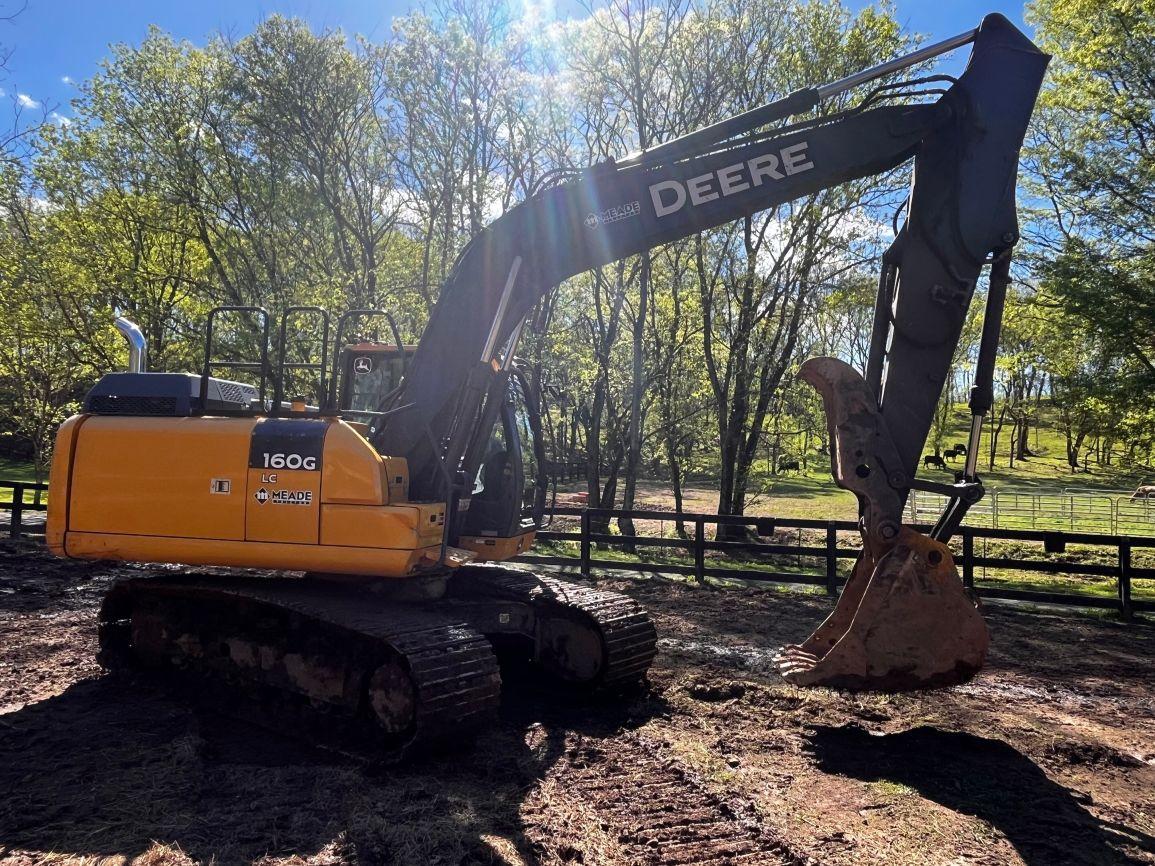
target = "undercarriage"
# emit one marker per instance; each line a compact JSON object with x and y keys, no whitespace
{"x":359,"y":672}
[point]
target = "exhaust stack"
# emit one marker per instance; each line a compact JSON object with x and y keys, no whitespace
{"x":137,"y":345}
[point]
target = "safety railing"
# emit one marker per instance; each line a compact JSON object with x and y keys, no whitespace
{"x":17,"y":515}
{"x":1011,"y":564}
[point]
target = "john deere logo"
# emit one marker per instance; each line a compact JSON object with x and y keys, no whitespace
{"x":363,"y":364}
{"x":262,"y":496}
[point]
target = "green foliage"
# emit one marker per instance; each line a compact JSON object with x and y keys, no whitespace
{"x":1095,"y":171}
{"x":1095,"y":127}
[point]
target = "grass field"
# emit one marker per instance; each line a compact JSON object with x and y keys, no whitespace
{"x":17,"y":470}
{"x":812,"y":493}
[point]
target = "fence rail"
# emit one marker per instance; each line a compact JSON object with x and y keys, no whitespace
{"x":819,"y":541}
{"x":17,"y":509}
{"x":824,"y":542}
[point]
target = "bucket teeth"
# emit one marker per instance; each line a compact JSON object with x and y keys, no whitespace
{"x":909,"y":625}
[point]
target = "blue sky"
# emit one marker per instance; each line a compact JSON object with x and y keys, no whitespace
{"x":55,"y":42}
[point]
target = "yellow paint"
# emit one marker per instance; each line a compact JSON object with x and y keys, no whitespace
{"x":368,"y":561}
{"x":353,"y":472}
{"x":58,"y":483}
{"x":288,"y":509}
{"x":359,"y":526}
{"x":397,"y":478}
{"x":153,"y":476}
{"x":495,"y":549}
{"x":180,"y":490}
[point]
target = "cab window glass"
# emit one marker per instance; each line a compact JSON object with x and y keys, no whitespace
{"x":372,"y":375}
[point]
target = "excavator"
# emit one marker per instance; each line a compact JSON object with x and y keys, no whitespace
{"x":343,"y":566}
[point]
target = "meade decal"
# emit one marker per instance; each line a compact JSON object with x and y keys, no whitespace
{"x":669,"y":196}
{"x":284,"y":497}
{"x":613,"y":214}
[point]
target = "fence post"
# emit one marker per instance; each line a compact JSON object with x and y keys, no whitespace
{"x":700,"y":549}
{"x":585,"y":543}
{"x":1125,"y":579}
{"x":968,"y":558}
{"x":17,"y":510}
{"x":831,"y":559}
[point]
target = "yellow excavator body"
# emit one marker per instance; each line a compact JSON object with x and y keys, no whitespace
{"x":385,"y":644}
{"x":300,"y":495}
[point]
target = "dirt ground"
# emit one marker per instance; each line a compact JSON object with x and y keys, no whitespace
{"x":1048,"y":757}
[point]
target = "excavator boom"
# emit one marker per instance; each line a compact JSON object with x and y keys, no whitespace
{"x":961,"y":212}
{"x":961,"y":216}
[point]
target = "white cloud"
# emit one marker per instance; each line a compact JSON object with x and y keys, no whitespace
{"x":3,"y":92}
{"x":26,"y":101}
{"x":61,"y":119}
{"x":65,"y":79}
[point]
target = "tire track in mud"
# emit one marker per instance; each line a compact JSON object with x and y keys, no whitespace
{"x":659,"y":812}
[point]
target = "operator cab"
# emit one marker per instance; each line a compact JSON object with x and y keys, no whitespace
{"x":505,"y":505}
{"x":370,"y":373}
{"x":500,"y":512}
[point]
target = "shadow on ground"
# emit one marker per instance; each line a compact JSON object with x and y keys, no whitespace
{"x":110,"y":765}
{"x":986,"y":778}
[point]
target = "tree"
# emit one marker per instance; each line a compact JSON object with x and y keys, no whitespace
{"x":39,"y":372}
{"x":1092,"y":155}
{"x":759,"y":278}
{"x":624,"y":57}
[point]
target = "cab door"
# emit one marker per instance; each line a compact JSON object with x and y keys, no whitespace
{"x":526,"y":419}
{"x":507,"y":498}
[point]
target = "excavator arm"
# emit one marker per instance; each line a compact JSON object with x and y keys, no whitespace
{"x":961,"y":212}
{"x":960,"y":218}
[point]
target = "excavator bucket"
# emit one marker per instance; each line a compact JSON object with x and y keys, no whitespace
{"x":904,"y":619}
{"x":905,"y":623}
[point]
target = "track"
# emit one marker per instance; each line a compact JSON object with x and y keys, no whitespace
{"x":618,"y":629}
{"x":356,"y":673}
{"x":352,"y":672}
{"x":660,"y":812}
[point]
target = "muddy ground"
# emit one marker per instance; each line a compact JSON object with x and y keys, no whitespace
{"x":1048,"y":757}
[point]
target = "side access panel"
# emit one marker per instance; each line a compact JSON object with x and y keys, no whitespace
{"x":167,"y":477}
{"x":272,"y":493}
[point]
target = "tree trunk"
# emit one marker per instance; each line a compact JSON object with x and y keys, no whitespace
{"x":675,"y":466}
{"x":1022,"y":449}
{"x":634,"y":452}
{"x":996,"y":429}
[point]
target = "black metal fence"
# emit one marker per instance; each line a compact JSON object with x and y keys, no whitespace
{"x":12,"y":496}
{"x":822,"y":542}
{"x":825,"y":542}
